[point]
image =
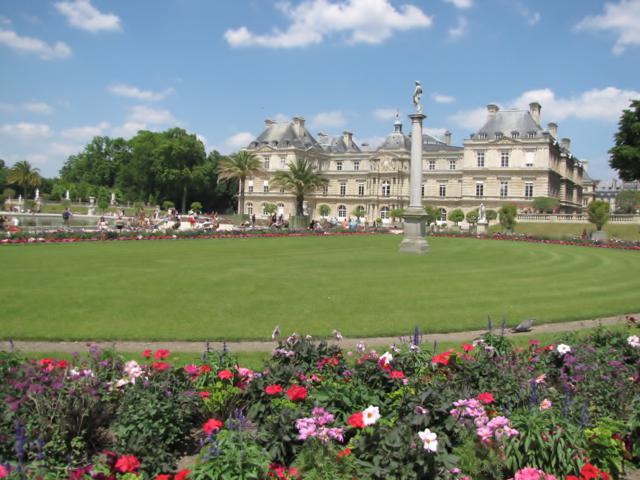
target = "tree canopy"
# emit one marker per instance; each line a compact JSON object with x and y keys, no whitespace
{"x":239,"y":167}
{"x":301,"y":179}
{"x":25,"y":176}
{"x":628,"y":201}
{"x":545,"y":204}
{"x":599,"y":213}
{"x":625,"y":154}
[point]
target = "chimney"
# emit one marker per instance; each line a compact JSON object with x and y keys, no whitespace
{"x":347,"y":137}
{"x":447,"y":137}
{"x":268,"y":122}
{"x":397,"y":126}
{"x":492,"y":109}
{"x":585,"y":166}
{"x":535,"y":108}
{"x":553,"y":129}
{"x":298,"y":122}
{"x":566,"y":143}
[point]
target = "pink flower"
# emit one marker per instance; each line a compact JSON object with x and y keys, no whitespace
{"x":191,"y":370}
{"x":273,"y":389}
{"x":225,"y":374}
{"x":486,"y":398}
{"x":161,"y":354}
{"x":545,"y":404}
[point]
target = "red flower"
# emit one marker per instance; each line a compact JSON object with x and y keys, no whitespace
{"x":296,"y":392}
{"x":225,"y":374}
{"x":182,"y":474}
{"x":396,"y":374}
{"x":147,"y":353}
{"x":344,"y":453}
{"x":356,"y":420}
{"x":589,"y":472}
{"x":572,"y":477}
{"x":161,"y":354}
{"x":273,"y":389}
{"x":205,"y":369}
{"x":63,"y":364}
{"x":534,"y":342}
{"x":212,"y":425}
{"x":160,"y":366}
{"x":442,"y":358}
{"x":46,"y":363}
{"x":467,"y":347}
{"x":163,"y":476}
{"x":204,"y":395}
{"x":486,"y":398}
{"x":127,"y":464}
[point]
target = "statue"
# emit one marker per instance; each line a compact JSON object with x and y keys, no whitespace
{"x":37,"y":197}
{"x":417,"y":94}
{"x":113,"y":198}
{"x":482,"y":214}
{"x":66,"y":195}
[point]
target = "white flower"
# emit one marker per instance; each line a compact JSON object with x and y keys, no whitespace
{"x":133,"y":370}
{"x":429,"y":440}
{"x":370,"y":415}
{"x":385,"y":358}
{"x":562,"y":349}
{"x":122,"y":382}
{"x":634,"y":341}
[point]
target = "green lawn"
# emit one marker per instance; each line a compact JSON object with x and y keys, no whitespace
{"x":561,"y":230}
{"x":239,"y":289}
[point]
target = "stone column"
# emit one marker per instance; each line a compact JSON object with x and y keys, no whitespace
{"x":414,"y":216}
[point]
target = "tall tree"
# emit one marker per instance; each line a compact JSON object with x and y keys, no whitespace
{"x":25,"y":176}
{"x":239,"y":167}
{"x":598,"y":212}
{"x":98,"y":164}
{"x":625,"y":155}
{"x":301,"y":179}
{"x":628,"y":201}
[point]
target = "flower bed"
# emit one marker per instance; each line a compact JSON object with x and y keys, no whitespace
{"x":486,"y":410}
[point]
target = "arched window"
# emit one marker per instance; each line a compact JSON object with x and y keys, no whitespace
{"x":359,"y":211}
{"x":342,"y":211}
{"x":264,"y":209}
{"x":281,"y":209}
{"x":386,"y":188}
{"x":250,"y":208}
{"x":443,"y":215}
{"x":384,"y":212}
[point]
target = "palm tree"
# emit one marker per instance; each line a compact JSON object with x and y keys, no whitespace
{"x":301,"y":179}
{"x":25,"y":176}
{"x":241,"y":166}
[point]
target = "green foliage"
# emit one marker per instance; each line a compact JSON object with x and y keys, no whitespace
{"x":605,"y":447}
{"x":324,"y":210}
{"x":196,"y":207}
{"x":239,"y":167}
{"x":491,"y":214}
{"x":508,"y":217}
{"x":477,"y":461}
{"x":397,"y":213}
{"x":598,"y":212}
{"x":625,"y":154}
{"x":432,"y":214}
{"x":545,"y":204}
{"x":456,"y":215}
{"x":628,"y":201}
{"x":270,"y":208}
{"x":301,"y":179}
{"x":168,"y":204}
{"x":319,"y":461}
{"x":25,"y":176}
{"x":472,"y":216}
{"x":358,"y":212}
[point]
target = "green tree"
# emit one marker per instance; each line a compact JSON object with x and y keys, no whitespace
{"x":270,"y":208}
{"x":545,"y":204}
{"x":239,"y":167}
{"x":456,"y":216}
{"x":324,"y":210}
{"x":196,"y":207}
{"x":99,"y":163}
{"x":4,"y":171}
{"x":432,"y":214}
{"x":625,"y":154}
{"x":628,"y":201}
{"x":396,"y":213}
{"x":598,"y":212}
{"x":301,"y":179}
{"x":25,"y":176}
{"x":472,"y":216}
{"x":168,"y":204}
{"x":508,"y":216}
{"x":358,"y":212}
{"x":491,"y":214}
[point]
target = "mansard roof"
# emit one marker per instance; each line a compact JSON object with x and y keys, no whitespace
{"x":285,"y":135}
{"x":337,"y":144}
{"x":396,"y":140}
{"x":508,"y":121}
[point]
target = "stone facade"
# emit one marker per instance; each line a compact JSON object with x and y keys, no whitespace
{"x":511,"y":159}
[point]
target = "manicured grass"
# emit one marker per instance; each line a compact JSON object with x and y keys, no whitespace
{"x":239,"y":289}
{"x":562,"y":230}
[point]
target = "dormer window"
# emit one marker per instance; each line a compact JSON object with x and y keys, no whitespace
{"x":274,"y":143}
{"x":482,"y":136}
{"x":531,"y":134}
{"x":498,"y":135}
{"x":515,"y":134}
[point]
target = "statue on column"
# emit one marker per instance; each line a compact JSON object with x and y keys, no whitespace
{"x":37,"y":197}
{"x":482,"y":214}
{"x":417,"y":95}
{"x":66,"y":195}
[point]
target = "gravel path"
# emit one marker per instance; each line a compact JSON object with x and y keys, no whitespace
{"x":266,"y":346}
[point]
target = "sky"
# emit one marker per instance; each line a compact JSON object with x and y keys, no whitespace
{"x":73,"y":69}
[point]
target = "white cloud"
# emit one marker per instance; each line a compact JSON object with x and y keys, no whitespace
{"x":440,"y":98}
{"x":621,"y":19}
{"x":361,"y":21}
{"x":204,"y":141}
{"x":58,"y":50}
{"x":130,"y":91}
{"x":385,"y":113}
{"x":435,"y":132}
{"x":81,"y":14}
{"x":64,"y":149}
{"x":128,"y":129}
{"x":26,"y":130}
{"x":532,"y":17}
{"x":85,"y":133}
{"x":604,"y":104}
{"x":329,"y":119}
{"x":30,"y":107}
{"x":461,"y":3}
{"x":371,"y":142}
{"x":460,"y":30}
{"x":237,"y":141}
{"x":142,"y":114}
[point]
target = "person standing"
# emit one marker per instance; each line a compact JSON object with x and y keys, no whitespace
{"x":66,"y":217}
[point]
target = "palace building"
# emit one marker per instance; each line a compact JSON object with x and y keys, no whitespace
{"x":511,"y":159}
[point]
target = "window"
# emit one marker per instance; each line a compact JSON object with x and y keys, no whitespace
{"x":359,"y":211}
{"x":264,"y":210}
{"x":480,"y":159}
{"x":504,"y":188}
{"x":528,"y":190}
{"x":504,"y":159}
{"x":361,"y":189}
{"x":482,"y":136}
{"x":266,"y":163}
{"x":530,"y":157}
{"x":452,"y":164}
{"x":432,"y":164}
{"x":250,"y":208}
{"x":384,"y":212}
{"x":281,"y":189}
{"x":325,"y":189}
{"x":265,"y":186}
{"x":339,"y":166}
{"x":443,"y":189}
{"x":423,"y":189}
{"x":479,"y":189}
{"x":283,"y":162}
{"x":342,"y":211}
{"x":531,"y":134}
{"x":386,"y":188}
{"x":356,"y":165}
{"x":443,"y":215}
{"x":281,"y":209}
{"x":343,"y":189}
{"x":515,"y":134}
{"x":498,"y":135}
{"x":250,"y":188}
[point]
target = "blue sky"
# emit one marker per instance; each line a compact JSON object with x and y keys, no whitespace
{"x":72,"y":69}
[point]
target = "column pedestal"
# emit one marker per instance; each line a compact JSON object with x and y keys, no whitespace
{"x":481,"y":228}
{"x":414,"y":232}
